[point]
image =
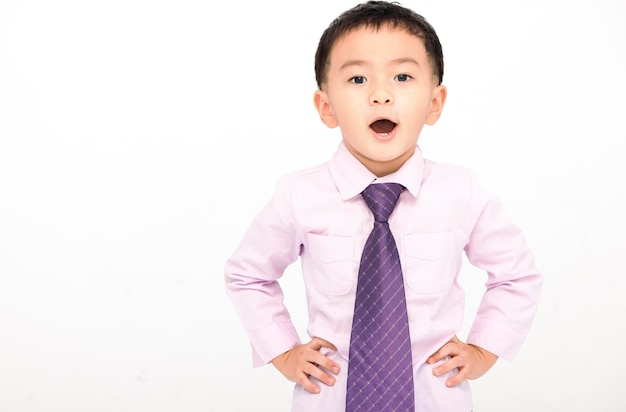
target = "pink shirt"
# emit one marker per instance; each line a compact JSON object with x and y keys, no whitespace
{"x":319,"y":216}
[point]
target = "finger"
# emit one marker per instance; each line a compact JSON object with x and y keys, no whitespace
{"x":319,"y":358}
{"x":319,"y":374}
{"x":449,"y":349}
{"x":437,"y":356}
{"x":458,"y":378}
{"x":445,"y":350}
{"x":307,"y":384}
{"x":452,"y":363}
{"x":325,"y":362}
{"x":434,"y":358}
{"x":318,"y":343}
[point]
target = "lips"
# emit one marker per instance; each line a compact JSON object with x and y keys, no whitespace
{"x":383,"y":126}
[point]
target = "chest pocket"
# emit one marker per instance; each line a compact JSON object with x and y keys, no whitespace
{"x":333,"y":269}
{"x":430,"y":261}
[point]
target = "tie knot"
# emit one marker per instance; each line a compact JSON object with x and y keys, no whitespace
{"x":381,"y":199}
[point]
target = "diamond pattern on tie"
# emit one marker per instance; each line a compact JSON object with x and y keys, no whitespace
{"x":380,"y":375}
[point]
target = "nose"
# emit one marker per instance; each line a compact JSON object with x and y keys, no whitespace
{"x":380,"y":96}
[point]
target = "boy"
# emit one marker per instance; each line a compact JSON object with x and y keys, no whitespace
{"x":379,"y":68}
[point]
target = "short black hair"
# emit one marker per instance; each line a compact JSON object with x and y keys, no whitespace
{"x":376,"y":14}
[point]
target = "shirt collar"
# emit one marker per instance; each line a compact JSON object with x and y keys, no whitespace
{"x":351,"y":177}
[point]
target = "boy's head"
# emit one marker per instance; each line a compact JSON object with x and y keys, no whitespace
{"x":379,"y":68}
{"x":375,"y":14}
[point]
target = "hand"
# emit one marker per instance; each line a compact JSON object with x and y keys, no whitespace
{"x":303,"y":361}
{"x":471,"y":360}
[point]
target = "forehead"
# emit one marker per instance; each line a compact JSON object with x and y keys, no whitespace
{"x":367,"y":43}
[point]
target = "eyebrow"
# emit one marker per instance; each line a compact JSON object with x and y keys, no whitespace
{"x":397,"y":61}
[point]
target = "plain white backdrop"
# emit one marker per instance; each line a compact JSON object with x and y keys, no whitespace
{"x":139,"y":138}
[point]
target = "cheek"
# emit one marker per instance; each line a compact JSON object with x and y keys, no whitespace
{"x":418,"y":108}
{"x":345,"y":112}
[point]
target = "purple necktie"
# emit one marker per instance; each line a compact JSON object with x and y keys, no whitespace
{"x":380,"y":375}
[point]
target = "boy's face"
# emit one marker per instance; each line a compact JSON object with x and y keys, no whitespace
{"x":380,"y":92}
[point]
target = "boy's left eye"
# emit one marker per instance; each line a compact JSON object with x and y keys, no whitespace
{"x":402,"y":77}
{"x":357,"y":80}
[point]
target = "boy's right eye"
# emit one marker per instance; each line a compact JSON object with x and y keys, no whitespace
{"x":357,"y":79}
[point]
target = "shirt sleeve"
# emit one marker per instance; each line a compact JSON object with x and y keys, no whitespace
{"x":251,"y":273}
{"x":513,"y":285}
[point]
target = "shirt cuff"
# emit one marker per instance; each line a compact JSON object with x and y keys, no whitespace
{"x":498,"y":336}
{"x":272,"y":341}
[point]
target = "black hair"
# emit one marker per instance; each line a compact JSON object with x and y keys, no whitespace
{"x":376,"y":14}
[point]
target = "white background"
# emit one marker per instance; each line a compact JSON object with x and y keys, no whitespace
{"x":139,"y":138}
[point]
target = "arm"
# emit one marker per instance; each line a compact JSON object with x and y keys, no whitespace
{"x":252,"y":272}
{"x":251,"y":275}
{"x":513,"y":285}
{"x":512,"y":292}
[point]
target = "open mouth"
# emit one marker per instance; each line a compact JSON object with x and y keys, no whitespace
{"x":383,"y":126}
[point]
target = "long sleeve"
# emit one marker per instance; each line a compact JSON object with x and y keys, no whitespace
{"x":252,"y":272}
{"x":513,"y":286}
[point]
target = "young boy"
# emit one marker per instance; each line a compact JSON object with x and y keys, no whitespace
{"x":379,"y":68}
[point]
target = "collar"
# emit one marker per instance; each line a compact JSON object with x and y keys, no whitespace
{"x":351,"y":177}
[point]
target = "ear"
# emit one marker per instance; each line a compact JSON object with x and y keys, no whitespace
{"x":320,"y":99}
{"x":436,"y":104}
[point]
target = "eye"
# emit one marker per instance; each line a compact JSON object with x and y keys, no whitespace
{"x":402,"y":77}
{"x":358,"y":80}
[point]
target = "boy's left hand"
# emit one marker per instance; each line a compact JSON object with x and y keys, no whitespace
{"x":471,"y":360}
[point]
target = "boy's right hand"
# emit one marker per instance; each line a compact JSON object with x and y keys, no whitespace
{"x":303,"y":361}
